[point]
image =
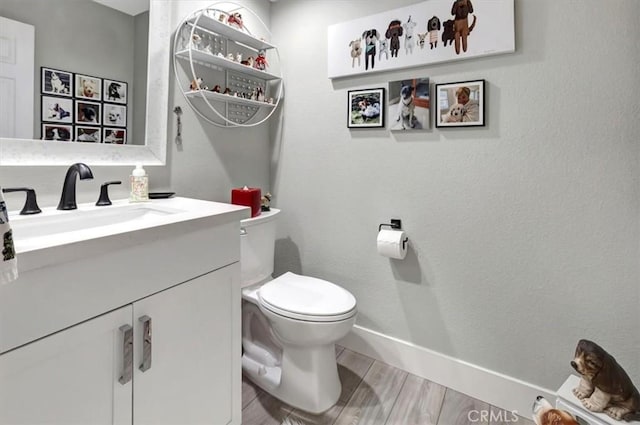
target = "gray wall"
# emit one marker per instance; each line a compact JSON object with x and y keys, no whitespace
{"x":83,"y":37}
{"x":524,"y":233}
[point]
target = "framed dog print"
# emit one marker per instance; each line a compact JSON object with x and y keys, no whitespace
{"x":409,"y":103}
{"x":57,"y":132}
{"x":115,"y":115}
{"x":57,"y":109}
{"x":114,"y":91}
{"x":87,"y":87}
{"x":88,"y":113}
{"x":460,"y":104}
{"x":114,"y":135}
{"x":87,"y":134}
{"x":56,"y":82}
{"x":365,"y":108}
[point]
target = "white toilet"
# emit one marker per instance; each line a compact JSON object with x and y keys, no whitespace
{"x":289,"y":324}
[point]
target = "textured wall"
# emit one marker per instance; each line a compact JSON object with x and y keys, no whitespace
{"x":524,"y":234}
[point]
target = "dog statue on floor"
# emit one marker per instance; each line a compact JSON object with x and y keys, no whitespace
{"x":605,"y":386}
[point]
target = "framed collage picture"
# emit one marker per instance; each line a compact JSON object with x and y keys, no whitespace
{"x":77,"y":107}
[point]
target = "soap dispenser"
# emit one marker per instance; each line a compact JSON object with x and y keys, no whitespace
{"x":139,"y":185}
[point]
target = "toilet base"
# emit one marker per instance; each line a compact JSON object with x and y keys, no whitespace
{"x":307,"y":378}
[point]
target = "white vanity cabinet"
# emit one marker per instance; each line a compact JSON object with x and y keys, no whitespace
{"x":154,"y":340}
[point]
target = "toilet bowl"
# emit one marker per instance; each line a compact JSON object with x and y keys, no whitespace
{"x":290,"y":324}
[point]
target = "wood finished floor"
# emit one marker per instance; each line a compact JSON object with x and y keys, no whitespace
{"x":374,"y":393}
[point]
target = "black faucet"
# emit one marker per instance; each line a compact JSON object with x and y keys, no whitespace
{"x":68,"y":198}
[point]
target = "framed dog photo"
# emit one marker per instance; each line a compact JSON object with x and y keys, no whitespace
{"x":117,"y":136}
{"x":366,"y":108}
{"x":56,"y":82}
{"x":409,"y":104}
{"x":460,"y":104}
{"x":87,"y":87}
{"x":114,"y":91}
{"x":87,"y":134}
{"x":57,"y":132}
{"x":88,"y":112}
{"x":115,"y":115}
{"x":57,"y":109}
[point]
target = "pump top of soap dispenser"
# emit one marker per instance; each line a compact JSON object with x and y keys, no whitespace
{"x":139,"y":171}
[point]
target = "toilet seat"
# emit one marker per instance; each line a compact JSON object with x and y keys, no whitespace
{"x":307,"y":298}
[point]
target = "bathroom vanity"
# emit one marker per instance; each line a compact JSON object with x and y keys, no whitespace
{"x":127,"y":314}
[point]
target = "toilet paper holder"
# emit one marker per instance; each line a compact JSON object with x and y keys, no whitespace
{"x":395,"y":224}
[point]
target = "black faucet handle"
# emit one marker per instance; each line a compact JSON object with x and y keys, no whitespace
{"x":104,"y":193}
{"x":31,"y":204}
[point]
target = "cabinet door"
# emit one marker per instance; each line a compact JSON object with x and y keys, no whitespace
{"x":70,"y":377}
{"x":194,"y":374}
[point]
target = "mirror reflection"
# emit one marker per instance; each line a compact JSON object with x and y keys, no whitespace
{"x":88,"y":76}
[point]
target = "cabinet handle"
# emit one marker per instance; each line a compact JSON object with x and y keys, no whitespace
{"x":127,"y":354}
{"x":146,"y":343}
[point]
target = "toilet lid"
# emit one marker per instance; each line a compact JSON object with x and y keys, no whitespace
{"x":307,"y":298}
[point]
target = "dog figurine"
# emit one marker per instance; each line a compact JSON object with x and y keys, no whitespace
{"x":605,"y":386}
{"x":356,"y":51}
{"x":433,"y":26}
{"x":383,"y":48}
{"x":406,"y":108}
{"x":260,"y":62}
{"x":57,"y":86}
{"x":455,"y":114}
{"x":544,"y":413}
{"x":421,"y":39}
{"x":370,"y":38}
{"x":394,"y":32}
{"x":235,"y":20}
{"x":448,"y":34}
{"x":461,"y":10}
{"x":196,"y":84}
{"x":408,"y":35}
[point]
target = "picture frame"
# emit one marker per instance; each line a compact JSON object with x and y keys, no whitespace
{"x":56,"y":109}
{"x":88,"y":113}
{"x":88,"y":87}
{"x":409,"y":104}
{"x":116,"y":136}
{"x":56,"y":82}
{"x":115,"y":91}
{"x":57,"y":132}
{"x":87,"y":134}
{"x":115,"y":115}
{"x":365,"y":108}
{"x":460,"y":104}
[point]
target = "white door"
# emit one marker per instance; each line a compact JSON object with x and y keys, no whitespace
{"x":194,"y":374}
{"x":71,"y":377}
{"x":17,"y":45}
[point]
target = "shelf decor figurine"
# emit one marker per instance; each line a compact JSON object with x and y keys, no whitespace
{"x":260,"y":61}
{"x":196,"y":84}
{"x":605,"y":386}
{"x":235,"y":20}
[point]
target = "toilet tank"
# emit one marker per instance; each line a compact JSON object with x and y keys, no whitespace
{"x":257,"y":246}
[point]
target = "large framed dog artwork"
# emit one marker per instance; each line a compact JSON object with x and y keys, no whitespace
{"x":365,"y":108}
{"x":460,"y":104}
{"x":420,"y":34}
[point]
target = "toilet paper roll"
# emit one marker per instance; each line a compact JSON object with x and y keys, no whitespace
{"x":392,"y":243}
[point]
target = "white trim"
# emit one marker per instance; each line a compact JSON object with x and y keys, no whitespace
{"x":478,"y":382}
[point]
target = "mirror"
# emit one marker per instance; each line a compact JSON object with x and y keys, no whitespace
{"x":153,"y":152}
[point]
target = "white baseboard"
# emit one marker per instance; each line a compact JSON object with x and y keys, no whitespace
{"x":483,"y":384}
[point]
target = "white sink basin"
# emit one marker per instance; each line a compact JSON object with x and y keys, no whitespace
{"x":54,"y":228}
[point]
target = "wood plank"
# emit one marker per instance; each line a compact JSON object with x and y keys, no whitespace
{"x":372,"y":401}
{"x":460,"y":409}
{"x":418,"y":403}
{"x":505,"y":417}
{"x":249,"y":391}
{"x":265,"y":410}
{"x":351,"y":368}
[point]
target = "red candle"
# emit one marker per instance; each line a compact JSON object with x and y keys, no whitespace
{"x":249,"y":197}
